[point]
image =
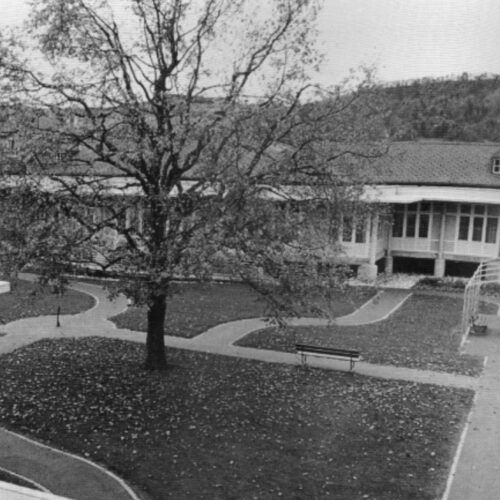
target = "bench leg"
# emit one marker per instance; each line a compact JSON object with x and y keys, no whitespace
{"x":303,"y":359}
{"x":352,"y":364}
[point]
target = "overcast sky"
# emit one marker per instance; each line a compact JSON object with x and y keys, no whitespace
{"x":403,"y":39}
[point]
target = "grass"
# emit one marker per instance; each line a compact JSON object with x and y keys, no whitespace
{"x":29,"y":300}
{"x":201,"y":306}
{"x":218,"y":427}
{"x":423,"y":334}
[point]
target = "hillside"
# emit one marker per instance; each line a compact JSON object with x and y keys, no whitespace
{"x":462,"y":109}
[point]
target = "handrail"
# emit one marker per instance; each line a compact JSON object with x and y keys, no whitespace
{"x":487,"y":272}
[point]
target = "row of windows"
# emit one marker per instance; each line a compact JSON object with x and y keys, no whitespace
{"x":476,"y":222}
{"x":412,"y":221}
{"x":353,"y":230}
{"x":478,"y":229}
{"x":449,"y":208}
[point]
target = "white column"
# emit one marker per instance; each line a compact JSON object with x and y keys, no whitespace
{"x":439,"y":263}
{"x":368,"y":272}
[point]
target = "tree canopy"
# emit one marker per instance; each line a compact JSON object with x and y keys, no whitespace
{"x":169,"y":137}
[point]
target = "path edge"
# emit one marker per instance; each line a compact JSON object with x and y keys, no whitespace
{"x":27,"y":479}
{"x":113,"y":476}
{"x":458,"y":452}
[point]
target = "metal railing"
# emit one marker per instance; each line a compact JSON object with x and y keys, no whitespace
{"x":486,"y":273}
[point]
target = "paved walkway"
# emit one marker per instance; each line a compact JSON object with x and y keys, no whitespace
{"x":477,"y":475}
{"x":60,"y":473}
{"x":220,"y":340}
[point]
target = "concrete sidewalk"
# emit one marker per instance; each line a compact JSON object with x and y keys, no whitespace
{"x":60,"y":473}
{"x":477,"y":473}
{"x":218,"y":340}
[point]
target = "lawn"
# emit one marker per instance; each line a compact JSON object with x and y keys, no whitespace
{"x":29,"y":300}
{"x":218,"y":427}
{"x":201,"y":306}
{"x":423,"y":334}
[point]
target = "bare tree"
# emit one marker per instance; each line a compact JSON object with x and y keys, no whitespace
{"x":193,"y":117}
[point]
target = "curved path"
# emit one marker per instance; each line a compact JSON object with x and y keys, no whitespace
{"x":59,"y":472}
{"x":36,"y":461}
{"x":221,"y":338}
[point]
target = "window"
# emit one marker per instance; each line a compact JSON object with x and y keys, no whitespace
{"x":411,"y":224}
{"x":353,"y":231}
{"x":412,"y":221}
{"x":360,"y":236}
{"x":451,"y":208}
{"x":347,"y":229}
{"x":477,"y":229}
{"x":476,"y":223}
{"x":397,"y":227}
{"x":495,"y":168}
{"x":491,"y":230}
{"x":463,"y":228}
{"x":423,"y":226}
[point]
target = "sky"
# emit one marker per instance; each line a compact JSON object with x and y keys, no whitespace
{"x":402,"y":39}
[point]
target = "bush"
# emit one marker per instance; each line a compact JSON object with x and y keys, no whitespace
{"x":445,"y":283}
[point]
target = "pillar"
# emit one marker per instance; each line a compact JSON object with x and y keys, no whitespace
{"x":373,"y":239}
{"x":439,"y":263}
{"x":389,"y":263}
{"x":369,"y":271}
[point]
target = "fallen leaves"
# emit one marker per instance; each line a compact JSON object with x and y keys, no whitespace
{"x":421,"y":334}
{"x":218,"y":427}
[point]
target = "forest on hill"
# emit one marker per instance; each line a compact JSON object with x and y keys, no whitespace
{"x":461,"y":109}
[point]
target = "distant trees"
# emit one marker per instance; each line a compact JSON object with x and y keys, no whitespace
{"x":463,"y":109}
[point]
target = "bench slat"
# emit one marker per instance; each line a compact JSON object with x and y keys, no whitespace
{"x":331,"y":352}
{"x":326,"y":350}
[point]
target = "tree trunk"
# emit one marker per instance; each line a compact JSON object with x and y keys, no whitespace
{"x":155,"y":342}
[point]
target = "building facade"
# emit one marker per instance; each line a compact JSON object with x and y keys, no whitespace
{"x":439,"y":210}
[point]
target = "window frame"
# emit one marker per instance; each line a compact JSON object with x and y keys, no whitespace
{"x":413,"y":210}
{"x":476,"y":212}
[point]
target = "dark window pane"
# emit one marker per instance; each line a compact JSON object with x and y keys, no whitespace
{"x":412,"y":207}
{"x":491,"y":230}
{"x":465,"y":208}
{"x":479,"y":209}
{"x":463,"y":230}
{"x":360,"y":233}
{"x":477,"y":229}
{"x":411,"y":223}
{"x":423,"y":228}
{"x":425,"y":206}
{"x":451,"y":208}
{"x":397,"y":227}
{"x":347,"y":229}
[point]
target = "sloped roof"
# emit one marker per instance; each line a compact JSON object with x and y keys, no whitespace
{"x":437,"y":163}
{"x":424,"y":162}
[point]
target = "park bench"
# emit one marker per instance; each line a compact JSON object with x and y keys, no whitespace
{"x":327,"y":352}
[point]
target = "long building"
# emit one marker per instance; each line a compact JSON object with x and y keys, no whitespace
{"x":441,"y":202}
